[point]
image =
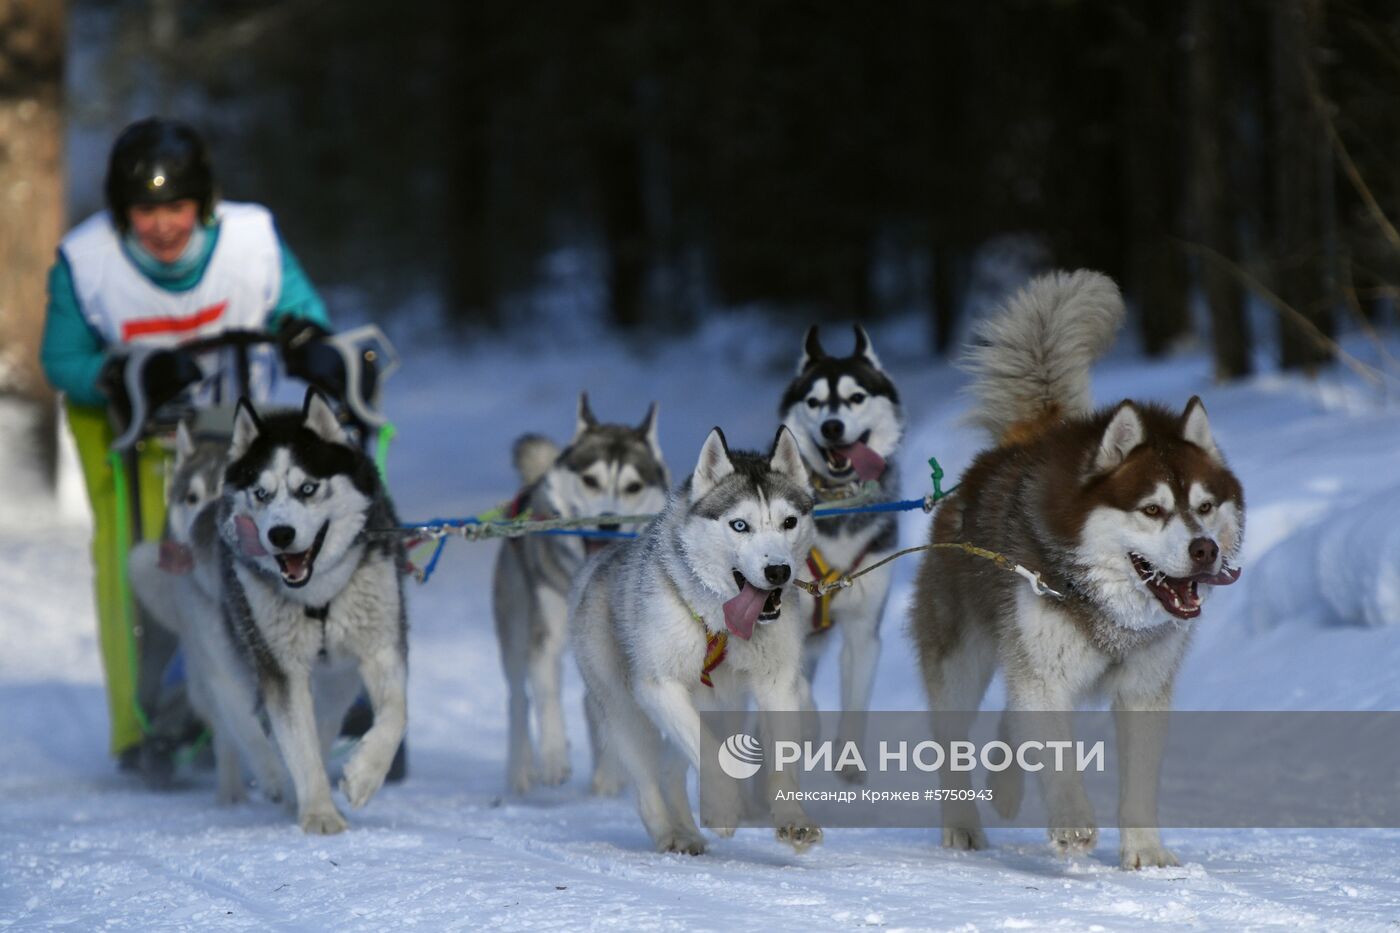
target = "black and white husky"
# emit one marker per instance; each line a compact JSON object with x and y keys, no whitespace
{"x":690,"y":615}
{"x":606,"y":469}
{"x":313,"y":599}
{"x":845,"y":414}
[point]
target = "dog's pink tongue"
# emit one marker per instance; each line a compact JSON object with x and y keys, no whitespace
{"x":741,"y":612}
{"x":175,"y":558}
{"x":1225,"y":577}
{"x":248,"y":541}
{"x":866,"y":462}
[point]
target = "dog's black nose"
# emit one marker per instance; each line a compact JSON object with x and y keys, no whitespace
{"x":1204,"y":551}
{"x":610,"y":527}
{"x":281,"y":536}
{"x":833,"y":429}
{"x":777,"y":574}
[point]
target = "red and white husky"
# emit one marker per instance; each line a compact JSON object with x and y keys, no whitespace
{"x":1129,"y":511}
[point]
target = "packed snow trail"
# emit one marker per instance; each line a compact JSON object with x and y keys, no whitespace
{"x":84,"y":847}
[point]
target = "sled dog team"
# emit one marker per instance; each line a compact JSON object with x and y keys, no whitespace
{"x":1131,"y":512}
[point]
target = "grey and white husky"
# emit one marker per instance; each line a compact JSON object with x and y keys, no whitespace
{"x":845,"y":414}
{"x":606,"y":469}
{"x":181,"y":593}
{"x":313,"y":597}
{"x":1130,"y":511}
{"x":691,"y":614}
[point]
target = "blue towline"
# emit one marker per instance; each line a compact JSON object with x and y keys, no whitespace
{"x":903,"y":505}
{"x":925,"y":503}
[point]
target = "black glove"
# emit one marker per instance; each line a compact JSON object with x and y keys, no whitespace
{"x":306,"y":356}
{"x":165,"y":375}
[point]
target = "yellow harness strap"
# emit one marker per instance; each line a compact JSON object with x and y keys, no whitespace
{"x":823,"y":573}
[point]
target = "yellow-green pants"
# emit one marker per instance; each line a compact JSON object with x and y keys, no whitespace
{"x":118,"y":633}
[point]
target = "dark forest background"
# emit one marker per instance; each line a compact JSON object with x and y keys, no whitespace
{"x":821,"y":159}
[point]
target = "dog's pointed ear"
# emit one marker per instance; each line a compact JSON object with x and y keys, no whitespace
{"x":1195,"y":427}
{"x":864,"y":348}
{"x":319,"y":418}
{"x":647,"y":430}
{"x":184,"y":443}
{"x":714,"y":465}
{"x":787,"y":458}
{"x":812,"y":350}
{"x":1124,"y":433}
{"x":246,"y":428}
{"x":586,"y":419}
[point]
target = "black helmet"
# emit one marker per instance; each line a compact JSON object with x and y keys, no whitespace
{"x":156,"y":161}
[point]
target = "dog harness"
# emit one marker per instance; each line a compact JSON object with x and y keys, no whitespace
{"x":319,"y":614}
{"x":716,"y":646}
{"x":822,"y":572}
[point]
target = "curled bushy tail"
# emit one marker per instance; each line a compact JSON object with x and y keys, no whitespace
{"x":533,"y":454}
{"x":1030,"y":360}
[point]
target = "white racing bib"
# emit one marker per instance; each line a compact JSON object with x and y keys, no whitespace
{"x":240,"y":286}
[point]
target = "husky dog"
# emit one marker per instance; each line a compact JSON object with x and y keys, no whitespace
{"x":690,"y":614}
{"x":181,"y":593}
{"x":1130,"y":512}
{"x":607,"y":469}
{"x":315,"y":601}
{"x":846,"y":417}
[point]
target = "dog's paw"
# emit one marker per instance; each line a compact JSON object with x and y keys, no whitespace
{"x":229,"y":794}
{"x":1142,"y":848}
{"x":325,"y":821}
{"x":801,"y":834}
{"x":606,"y":783}
{"x":1074,"y":840}
{"x":1007,"y":788}
{"x":553,"y":769}
{"x":519,"y":781}
{"x":1158,"y":856}
{"x":681,"y":841}
{"x":964,"y":838}
{"x":359,"y":781}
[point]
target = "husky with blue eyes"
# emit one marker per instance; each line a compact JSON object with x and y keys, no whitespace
{"x":697,"y":613}
{"x":313,"y":601}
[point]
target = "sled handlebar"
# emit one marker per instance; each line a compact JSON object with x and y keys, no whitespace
{"x":357,"y":347}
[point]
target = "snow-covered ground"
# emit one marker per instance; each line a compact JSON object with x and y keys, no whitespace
{"x":1314,"y":625}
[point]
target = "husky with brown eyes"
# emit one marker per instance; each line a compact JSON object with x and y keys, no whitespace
{"x":606,"y":469}
{"x":1130,"y":512}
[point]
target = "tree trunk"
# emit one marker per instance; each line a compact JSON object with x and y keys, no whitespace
{"x":947,"y":297}
{"x":1215,"y":222}
{"x":1300,"y":224}
{"x":1156,"y":266}
{"x":625,"y":225}
{"x":31,"y":182}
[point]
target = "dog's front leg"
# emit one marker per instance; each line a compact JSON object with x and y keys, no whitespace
{"x":780,"y":715}
{"x":293,"y":718}
{"x":860,"y":655}
{"x":1053,"y":665}
{"x":670,"y":706}
{"x":1140,"y":722}
{"x":1073,"y":829}
{"x":385,"y":676}
{"x":546,"y":659}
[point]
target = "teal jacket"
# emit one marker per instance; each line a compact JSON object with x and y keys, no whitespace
{"x":72,"y":352}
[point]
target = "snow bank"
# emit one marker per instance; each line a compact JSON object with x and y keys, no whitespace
{"x":1341,"y":570}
